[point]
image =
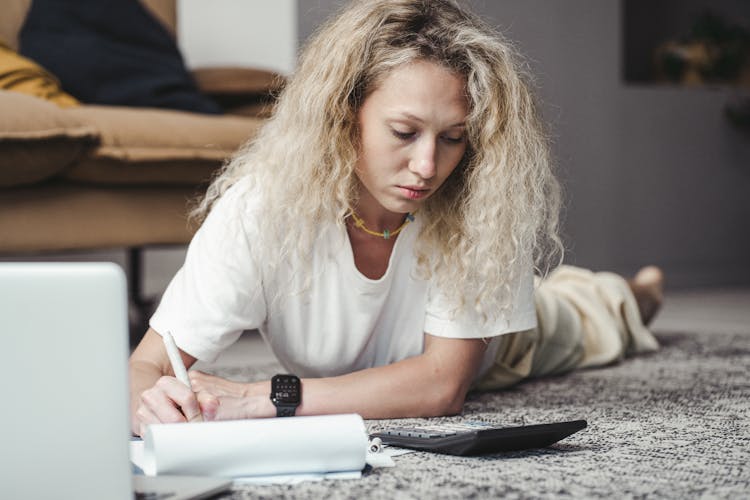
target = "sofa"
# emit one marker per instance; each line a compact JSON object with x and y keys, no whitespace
{"x":86,"y":177}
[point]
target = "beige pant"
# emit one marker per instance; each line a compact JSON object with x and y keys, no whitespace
{"x":585,"y":319}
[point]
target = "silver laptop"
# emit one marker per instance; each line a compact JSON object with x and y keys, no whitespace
{"x":64,"y":388}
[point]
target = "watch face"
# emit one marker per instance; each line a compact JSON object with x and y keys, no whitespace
{"x":285,"y":390}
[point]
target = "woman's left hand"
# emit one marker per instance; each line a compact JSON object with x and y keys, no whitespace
{"x":237,"y":400}
{"x":216,"y":385}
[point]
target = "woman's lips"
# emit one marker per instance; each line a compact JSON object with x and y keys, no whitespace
{"x":414,"y":193}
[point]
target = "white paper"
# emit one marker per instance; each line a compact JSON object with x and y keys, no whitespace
{"x":384,"y":457}
{"x":258,"y":447}
{"x":379,"y":459}
{"x":136,"y":456}
{"x":297,"y":478}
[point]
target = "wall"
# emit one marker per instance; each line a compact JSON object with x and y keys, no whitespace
{"x":253,"y":33}
{"x":652,"y":174}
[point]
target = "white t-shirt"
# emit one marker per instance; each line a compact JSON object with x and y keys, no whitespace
{"x":342,"y":322}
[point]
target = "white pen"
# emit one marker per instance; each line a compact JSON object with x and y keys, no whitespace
{"x":178,"y":367}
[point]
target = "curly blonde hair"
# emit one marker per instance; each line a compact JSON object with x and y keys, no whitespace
{"x":495,"y":215}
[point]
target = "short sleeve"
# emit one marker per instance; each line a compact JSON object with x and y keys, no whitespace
{"x":217,"y":294}
{"x":441,"y":321}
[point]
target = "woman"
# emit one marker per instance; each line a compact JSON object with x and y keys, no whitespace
{"x":381,"y":232}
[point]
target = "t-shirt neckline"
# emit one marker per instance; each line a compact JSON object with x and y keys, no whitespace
{"x":406,"y":232}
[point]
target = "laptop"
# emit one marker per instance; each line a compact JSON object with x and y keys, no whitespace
{"x":64,"y":415}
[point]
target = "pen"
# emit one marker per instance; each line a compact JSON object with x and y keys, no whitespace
{"x":174,"y":357}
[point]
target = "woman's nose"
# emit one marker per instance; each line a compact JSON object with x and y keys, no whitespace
{"x":424,"y":161}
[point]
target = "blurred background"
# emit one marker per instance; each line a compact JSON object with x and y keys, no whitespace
{"x":654,"y":170}
{"x":647,"y":107}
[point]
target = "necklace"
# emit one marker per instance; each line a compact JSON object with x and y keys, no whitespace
{"x":385,"y":234}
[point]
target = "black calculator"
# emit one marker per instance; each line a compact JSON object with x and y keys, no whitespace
{"x":477,"y":438}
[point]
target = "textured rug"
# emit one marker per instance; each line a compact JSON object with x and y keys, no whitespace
{"x":672,"y":424}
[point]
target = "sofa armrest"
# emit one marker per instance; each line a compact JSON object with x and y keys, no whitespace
{"x":243,"y":81}
{"x":242,"y":91}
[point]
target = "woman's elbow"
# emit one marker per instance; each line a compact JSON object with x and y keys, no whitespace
{"x":449,"y":401}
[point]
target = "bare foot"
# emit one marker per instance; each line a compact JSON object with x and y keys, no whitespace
{"x":648,"y":288}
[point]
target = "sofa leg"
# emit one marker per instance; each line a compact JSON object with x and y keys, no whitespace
{"x":140,"y":306}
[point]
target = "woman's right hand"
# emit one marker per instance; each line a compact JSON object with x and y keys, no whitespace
{"x":171,"y":401}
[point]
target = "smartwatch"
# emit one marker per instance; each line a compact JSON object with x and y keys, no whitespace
{"x":286,"y":394}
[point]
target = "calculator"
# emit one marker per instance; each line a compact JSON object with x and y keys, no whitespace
{"x":477,"y":438}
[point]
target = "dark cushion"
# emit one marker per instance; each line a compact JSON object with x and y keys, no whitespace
{"x":110,"y":52}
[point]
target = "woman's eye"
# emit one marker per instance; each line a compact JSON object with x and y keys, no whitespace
{"x":402,"y":135}
{"x":454,"y":139}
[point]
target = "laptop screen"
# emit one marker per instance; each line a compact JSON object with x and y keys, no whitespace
{"x":64,"y":381}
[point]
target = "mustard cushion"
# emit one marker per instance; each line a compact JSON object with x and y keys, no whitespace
{"x":38,"y":139}
{"x":20,"y":74}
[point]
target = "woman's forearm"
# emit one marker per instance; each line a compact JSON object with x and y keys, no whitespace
{"x":431,"y":384}
{"x":410,"y":388}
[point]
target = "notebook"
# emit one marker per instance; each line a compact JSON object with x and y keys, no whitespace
{"x":64,"y":414}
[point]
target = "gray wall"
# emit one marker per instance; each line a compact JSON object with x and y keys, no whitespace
{"x":653,"y":174}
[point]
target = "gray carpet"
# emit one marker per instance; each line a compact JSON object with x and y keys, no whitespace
{"x":673,"y":424}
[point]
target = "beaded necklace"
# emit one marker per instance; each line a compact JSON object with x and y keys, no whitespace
{"x":386,"y":234}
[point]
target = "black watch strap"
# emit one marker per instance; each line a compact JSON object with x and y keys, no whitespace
{"x":285,"y":411}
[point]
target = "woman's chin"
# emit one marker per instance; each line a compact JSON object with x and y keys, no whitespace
{"x":404,"y":207}
{"x":400,"y":204}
